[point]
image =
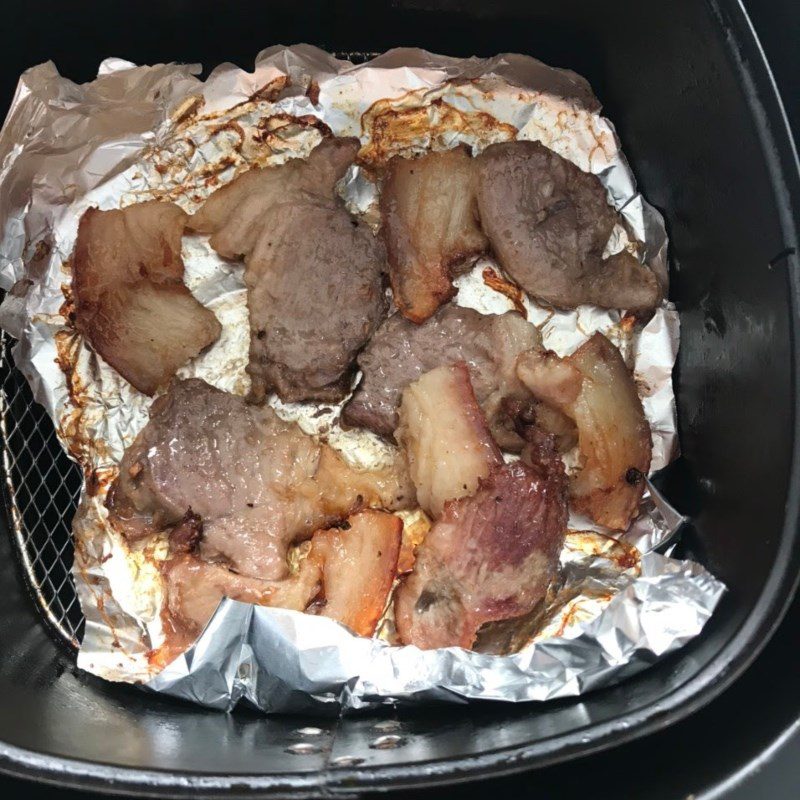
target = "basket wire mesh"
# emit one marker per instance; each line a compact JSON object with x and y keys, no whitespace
{"x":42,"y":489}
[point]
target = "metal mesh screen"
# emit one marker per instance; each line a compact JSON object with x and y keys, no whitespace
{"x":42,"y":488}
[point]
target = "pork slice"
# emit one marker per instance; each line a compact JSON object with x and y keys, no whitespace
{"x":490,"y":557}
{"x":314,"y":274}
{"x":315,"y":294}
{"x":595,"y":389}
{"x":445,"y":436}
{"x":255,"y":482}
{"x":194,"y":589}
{"x":548,"y":223}
{"x":130,"y":300}
{"x":234,"y":213}
{"x":430,"y":226}
{"x":358,"y":568}
{"x":401,"y":351}
{"x":347,"y":576}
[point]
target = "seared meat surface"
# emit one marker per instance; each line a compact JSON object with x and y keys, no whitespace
{"x":595,"y":389}
{"x":548,"y":223}
{"x":315,"y":294}
{"x":445,"y":436}
{"x":490,"y":557}
{"x":401,"y":351}
{"x":430,"y":226}
{"x":255,"y":482}
{"x":346,"y":575}
{"x":130,"y":299}
{"x":313,"y":273}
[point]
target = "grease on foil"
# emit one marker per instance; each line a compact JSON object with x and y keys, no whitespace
{"x":139,"y":133}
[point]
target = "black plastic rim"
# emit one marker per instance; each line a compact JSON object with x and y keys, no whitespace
{"x":740,"y":651}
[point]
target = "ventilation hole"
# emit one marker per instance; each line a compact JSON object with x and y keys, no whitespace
{"x":302,"y":749}
{"x":346,"y":761}
{"x":388,"y":742}
{"x":309,"y":731}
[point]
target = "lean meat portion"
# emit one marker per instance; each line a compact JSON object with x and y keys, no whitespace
{"x":490,"y":557}
{"x":548,"y":223}
{"x":256,"y":483}
{"x":401,"y":351}
{"x":314,"y":274}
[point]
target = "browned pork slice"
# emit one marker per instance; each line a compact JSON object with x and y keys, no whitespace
{"x":595,"y":388}
{"x":130,"y":299}
{"x":490,"y":557}
{"x":195,"y":587}
{"x":315,"y":294}
{"x":313,"y":273}
{"x":347,"y":576}
{"x":358,"y":565}
{"x":401,"y":351}
{"x":255,"y":482}
{"x":234,"y":214}
{"x":445,"y":437}
{"x":430,"y":226}
{"x":548,"y":223}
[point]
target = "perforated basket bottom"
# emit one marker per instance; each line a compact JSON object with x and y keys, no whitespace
{"x":43,"y":487}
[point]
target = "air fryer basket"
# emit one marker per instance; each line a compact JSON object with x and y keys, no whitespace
{"x":693,"y":101}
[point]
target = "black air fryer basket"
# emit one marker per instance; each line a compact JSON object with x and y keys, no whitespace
{"x":687,"y":86}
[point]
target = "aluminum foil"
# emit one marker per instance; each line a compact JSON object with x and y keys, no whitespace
{"x":138,"y":133}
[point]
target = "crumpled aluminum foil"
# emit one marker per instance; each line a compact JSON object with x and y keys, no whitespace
{"x":139,"y":133}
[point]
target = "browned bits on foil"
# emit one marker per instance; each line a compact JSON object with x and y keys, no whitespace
{"x":42,"y":250}
{"x":271,"y":91}
{"x":601,"y":139}
{"x":71,"y":426}
{"x":68,"y":344}
{"x":188,"y":109}
{"x":505,"y":287}
{"x":393,"y":129}
{"x":231,"y":125}
{"x":312,"y":93}
{"x":67,"y":308}
{"x":575,"y":611}
{"x":272,"y":128}
{"x":623,"y":555}
{"x":240,"y":145}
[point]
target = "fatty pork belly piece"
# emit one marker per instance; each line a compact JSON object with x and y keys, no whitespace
{"x":490,"y":557}
{"x":255,"y":482}
{"x":595,"y":389}
{"x":130,"y":299}
{"x":445,"y":437}
{"x":315,"y":294}
{"x":357,"y":567}
{"x":234,"y":213}
{"x":548,"y":223}
{"x":346,"y":576}
{"x":313,"y":273}
{"x":430,"y":226}
{"x":401,"y":351}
